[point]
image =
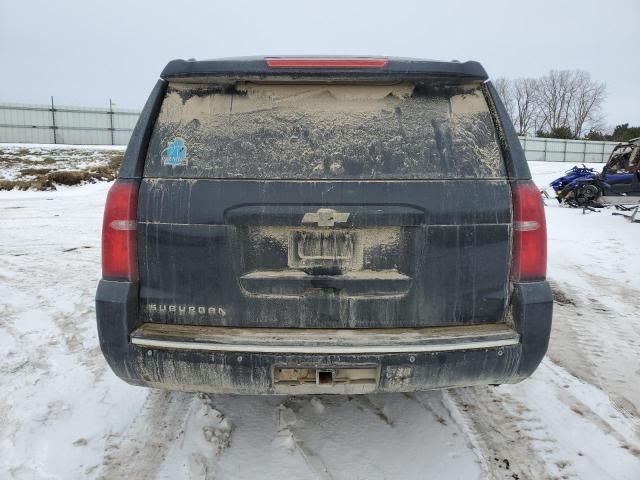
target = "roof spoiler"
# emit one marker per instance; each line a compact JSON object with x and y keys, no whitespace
{"x":334,"y":67}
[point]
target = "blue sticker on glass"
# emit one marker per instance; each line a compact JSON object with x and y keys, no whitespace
{"x":175,"y":154}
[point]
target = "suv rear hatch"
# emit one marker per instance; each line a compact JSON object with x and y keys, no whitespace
{"x":319,"y":196}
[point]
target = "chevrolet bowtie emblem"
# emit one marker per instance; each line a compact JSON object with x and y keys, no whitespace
{"x":325,"y":217}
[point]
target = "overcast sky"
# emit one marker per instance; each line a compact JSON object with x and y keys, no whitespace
{"x":83,"y":52}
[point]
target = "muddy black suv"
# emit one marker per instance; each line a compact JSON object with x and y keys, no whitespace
{"x":323,"y":225}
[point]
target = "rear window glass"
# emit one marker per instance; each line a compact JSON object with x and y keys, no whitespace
{"x":324,"y":131}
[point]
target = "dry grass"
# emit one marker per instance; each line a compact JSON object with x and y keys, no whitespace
{"x":48,"y":178}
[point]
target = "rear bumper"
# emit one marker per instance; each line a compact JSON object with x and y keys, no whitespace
{"x":231,"y":360}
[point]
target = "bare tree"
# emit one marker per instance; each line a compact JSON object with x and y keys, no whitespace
{"x":585,"y":109}
{"x":525,"y":93}
{"x":504,"y":86}
{"x":555,"y":96}
{"x":569,"y":98}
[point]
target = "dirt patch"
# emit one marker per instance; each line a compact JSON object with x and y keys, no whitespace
{"x":561,"y":298}
{"x":39,"y":183}
{"x":115,"y":161}
{"x":38,"y":178}
{"x":35,"y":171}
{"x":48,"y":181}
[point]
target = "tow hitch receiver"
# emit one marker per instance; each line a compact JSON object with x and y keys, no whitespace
{"x":303,"y":379}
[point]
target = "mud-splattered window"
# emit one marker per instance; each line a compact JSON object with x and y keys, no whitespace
{"x":324,"y":131}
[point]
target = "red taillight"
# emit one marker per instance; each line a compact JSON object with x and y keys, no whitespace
{"x":311,"y":62}
{"x":529,"y":234}
{"x":119,"y":258}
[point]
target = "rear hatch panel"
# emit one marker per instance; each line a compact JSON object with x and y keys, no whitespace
{"x":217,"y":252}
{"x":324,"y":205}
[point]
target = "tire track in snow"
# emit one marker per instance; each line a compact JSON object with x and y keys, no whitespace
{"x":139,"y":451}
{"x":367,"y":404}
{"x":550,"y":426}
{"x":378,"y":436}
{"x":607,"y":428}
{"x":595,"y":339}
{"x":287,"y":419}
{"x":496,"y":434}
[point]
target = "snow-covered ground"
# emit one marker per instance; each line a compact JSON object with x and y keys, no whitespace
{"x":63,"y":414}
